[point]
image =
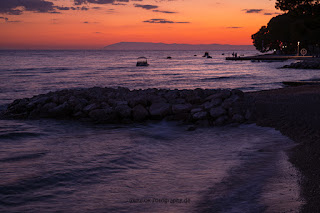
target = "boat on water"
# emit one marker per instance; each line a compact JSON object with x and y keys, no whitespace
{"x":142,"y":61}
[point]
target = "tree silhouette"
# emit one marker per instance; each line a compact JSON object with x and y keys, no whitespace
{"x":300,"y":23}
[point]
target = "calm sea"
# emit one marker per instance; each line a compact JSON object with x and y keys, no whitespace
{"x":62,"y":166}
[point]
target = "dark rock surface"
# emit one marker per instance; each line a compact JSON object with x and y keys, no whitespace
{"x":307,"y":64}
{"x":121,"y":105}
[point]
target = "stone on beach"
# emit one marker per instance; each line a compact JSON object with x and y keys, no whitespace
{"x":217,"y":112}
{"x":159,"y":110}
{"x":139,"y":113}
{"x":121,"y":105}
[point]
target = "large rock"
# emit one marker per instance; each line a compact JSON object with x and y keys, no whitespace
{"x":200,"y":115}
{"x":138,"y":99}
{"x":159,"y":110}
{"x":37,"y":101}
{"x":48,"y":106}
{"x":238,"y":118}
{"x":103,"y":115}
{"x":124,"y":111}
{"x":181,"y":108}
{"x":139,"y":113}
{"x":62,"y":110}
{"x":220,"y":94}
{"x":230,"y":101}
{"x":217,"y":112}
{"x":18,"y":106}
{"x":90,"y":107}
{"x":212,"y":103}
{"x":172,"y":95}
{"x":221,"y":120}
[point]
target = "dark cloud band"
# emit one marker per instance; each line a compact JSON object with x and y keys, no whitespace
{"x":165,"y":21}
{"x":146,"y":6}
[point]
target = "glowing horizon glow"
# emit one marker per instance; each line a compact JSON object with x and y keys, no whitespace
{"x":168,"y":21}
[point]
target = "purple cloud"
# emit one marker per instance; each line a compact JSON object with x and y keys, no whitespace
{"x":161,"y":11}
{"x":164,"y":21}
{"x":253,"y":10}
{"x":146,"y":6}
{"x":16,"y":7}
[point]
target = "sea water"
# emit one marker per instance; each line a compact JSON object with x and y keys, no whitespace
{"x":65,"y":166}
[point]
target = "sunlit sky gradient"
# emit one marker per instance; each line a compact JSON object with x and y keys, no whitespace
{"x":93,"y":24}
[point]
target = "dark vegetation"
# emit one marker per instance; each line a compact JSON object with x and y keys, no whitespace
{"x":297,"y":27}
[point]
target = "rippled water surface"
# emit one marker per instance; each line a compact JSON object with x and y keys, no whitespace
{"x":61,"y":166}
{"x":27,"y":73}
{"x":50,"y":166}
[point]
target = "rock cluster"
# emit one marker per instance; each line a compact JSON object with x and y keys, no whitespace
{"x":121,"y":105}
{"x":308,"y":64}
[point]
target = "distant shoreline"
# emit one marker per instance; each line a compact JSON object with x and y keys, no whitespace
{"x":180,"y":47}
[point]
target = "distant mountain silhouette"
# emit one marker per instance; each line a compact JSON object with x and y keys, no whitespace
{"x":163,"y":46}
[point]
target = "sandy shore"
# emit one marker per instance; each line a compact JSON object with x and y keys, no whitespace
{"x":295,"y":111}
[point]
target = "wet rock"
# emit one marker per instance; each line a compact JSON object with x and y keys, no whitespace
{"x":103,"y":115}
{"x":38,"y":101}
{"x":138,"y":99}
{"x":217,"y":112}
{"x":139,"y":113}
{"x":200,"y":115}
{"x":81,"y":104}
{"x":49,"y":106}
{"x":181,"y":108}
{"x":193,"y":99}
{"x":222,"y":94}
{"x":227,"y":103}
{"x":191,"y":128}
{"x":238,"y":118}
{"x":159,"y":110}
{"x":237,"y":92}
{"x":212,"y":103}
{"x":109,"y":105}
{"x":248,"y":115}
{"x":60,"y":111}
{"x":90,"y":107}
{"x":221,"y":120}
{"x":18,"y":106}
{"x":79,"y":115}
{"x":124,"y":111}
{"x":178,"y":101}
{"x":195,"y":110}
{"x":171,"y":95}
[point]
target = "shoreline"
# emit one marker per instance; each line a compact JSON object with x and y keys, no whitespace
{"x":294,"y":111}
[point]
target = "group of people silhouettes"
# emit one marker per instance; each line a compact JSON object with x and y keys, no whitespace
{"x":235,"y":55}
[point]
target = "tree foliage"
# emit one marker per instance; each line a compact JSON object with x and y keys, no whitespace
{"x":300,"y":23}
{"x":296,"y":5}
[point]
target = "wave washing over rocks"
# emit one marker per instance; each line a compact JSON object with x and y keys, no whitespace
{"x":121,"y":105}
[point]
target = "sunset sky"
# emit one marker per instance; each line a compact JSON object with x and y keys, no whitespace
{"x":93,"y":24}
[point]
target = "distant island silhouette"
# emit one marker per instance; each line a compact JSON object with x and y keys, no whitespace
{"x":163,"y":46}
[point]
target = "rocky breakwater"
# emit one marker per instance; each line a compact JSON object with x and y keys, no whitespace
{"x":307,"y":64}
{"x":121,"y":105}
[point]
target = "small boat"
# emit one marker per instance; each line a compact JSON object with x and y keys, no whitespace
{"x":142,"y":61}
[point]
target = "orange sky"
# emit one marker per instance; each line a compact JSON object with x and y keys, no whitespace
{"x":92,"y":24}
